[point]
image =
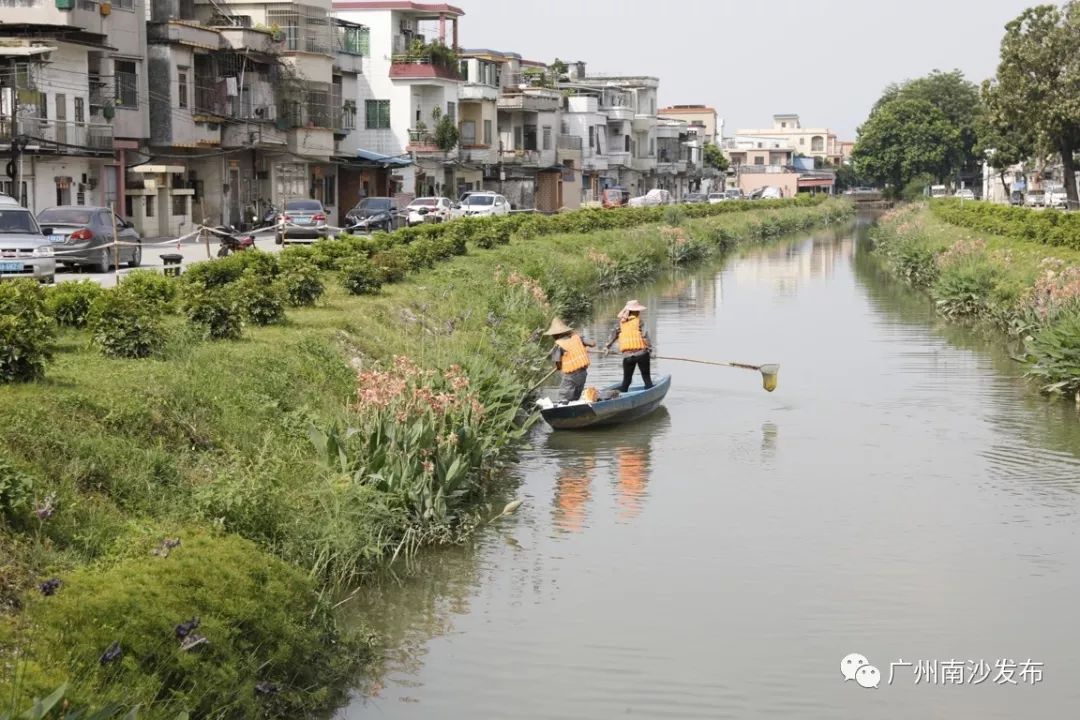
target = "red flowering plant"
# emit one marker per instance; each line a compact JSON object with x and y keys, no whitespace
{"x":426,"y":438}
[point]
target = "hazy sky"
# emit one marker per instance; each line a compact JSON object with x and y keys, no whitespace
{"x":827,"y":61}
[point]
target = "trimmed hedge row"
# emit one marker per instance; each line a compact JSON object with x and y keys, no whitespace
{"x":1047,"y":227}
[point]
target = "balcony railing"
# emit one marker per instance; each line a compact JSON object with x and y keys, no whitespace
{"x":422,"y":66}
{"x":66,"y":137}
{"x":421,"y":141}
{"x":520,"y":157}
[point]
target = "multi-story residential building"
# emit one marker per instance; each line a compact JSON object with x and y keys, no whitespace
{"x":529,"y":124}
{"x":812,"y":142}
{"x":478,"y":98}
{"x":586,"y":127}
{"x":702,"y":119}
{"x":412,"y":82}
{"x":73,"y":95}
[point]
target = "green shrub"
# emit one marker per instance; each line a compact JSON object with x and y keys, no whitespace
{"x":393,"y":264}
{"x":261,"y":300}
{"x":1047,"y":227}
{"x":964,"y":290}
{"x":674,"y":215}
{"x":153,"y":290}
{"x":301,"y":281}
{"x":260,"y":617}
{"x":1053,"y":355}
{"x":489,"y":232}
{"x":69,"y":302}
{"x":16,"y":489}
{"x":360,"y":277}
{"x":222,"y":271}
{"x":123,"y":327}
{"x":215,"y":311}
{"x":26,"y":331}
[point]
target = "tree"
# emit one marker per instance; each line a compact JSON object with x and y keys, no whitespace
{"x":902,"y":139}
{"x":957,"y":99}
{"x":715,"y":158}
{"x":1002,"y":143}
{"x":446,"y":134}
{"x":1038,"y":80}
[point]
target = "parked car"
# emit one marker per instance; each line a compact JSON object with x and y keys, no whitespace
{"x":614,"y":197}
{"x":691,"y":198}
{"x":427,"y":209}
{"x":481,"y":204}
{"x":1056,"y":197}
{"x":83,"y":235}
{"x":938,"y":191}
{"x":373,"y":213}
{"x":304,"y":220}
{"x":1035,"y":198}
{"x":24,"y":250}
{"x":653,"y":198}
{"x":716,"y":197}
{"x":771,"y":192}
{"x":1016,"y":197}
{"x":733,"y":194}
{"x":965,"y":194}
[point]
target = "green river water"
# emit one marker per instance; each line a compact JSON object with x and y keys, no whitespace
{"x":903,"y":495}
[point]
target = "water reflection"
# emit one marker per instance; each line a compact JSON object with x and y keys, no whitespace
{"x":622,"y":453}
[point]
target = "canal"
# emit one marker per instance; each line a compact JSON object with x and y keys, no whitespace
{"x":902,"y":495}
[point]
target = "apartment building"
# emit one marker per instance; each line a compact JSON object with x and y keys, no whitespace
{"x":73,"y":97}
{"x":702,"y":120}
{"x":412,"y":82}
{"x":813,"y":142}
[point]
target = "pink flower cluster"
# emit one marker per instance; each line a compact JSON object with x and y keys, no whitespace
{"x":961,"y":251}
{"x":598,"y":258}
{"x":1056,"y":288}
{"x":515,"y":279}
{"x":675,"y":235}
{"x":408,"y":391}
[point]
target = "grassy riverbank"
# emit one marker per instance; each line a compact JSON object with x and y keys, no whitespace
{"x":290,"y":462}
{"x":1023,"y":280}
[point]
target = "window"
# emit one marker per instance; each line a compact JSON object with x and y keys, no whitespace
{"x":179,"y":205}
{"x":149,"y":206}
{"x":487,"y":132}
{"x":547,"y":137}
{"x":817,"y":144}
{"x":783,"y":124}
{"x":802,"y":141}
{"x":329,"y":190}
{"x":377,"y":114}
{"x":182,"y":82}
{"x":125,"y":4}
{"x":759,"y":160}
{"x":626,"y":143}
{"x":652,"y":147}
{"x":80,"y":110}
{"x":468,"y":132}
{"x":592,"y":137}
{"x":451,"y":111}
{"x":127,"y":84}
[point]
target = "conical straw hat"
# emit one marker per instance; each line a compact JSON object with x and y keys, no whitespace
{"x":634,"y":306}
{"x":558,"y":327}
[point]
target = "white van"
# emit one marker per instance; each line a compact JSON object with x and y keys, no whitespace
{"x":938,"y":191}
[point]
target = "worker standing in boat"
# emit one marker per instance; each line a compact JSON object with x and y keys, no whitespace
{"x":571,"y":358}
{"x":634,"y":344}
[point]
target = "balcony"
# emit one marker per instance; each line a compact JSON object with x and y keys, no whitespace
{"x":643,"y":122}
{"x":184,"y":33}
{"x":63,"y":137}
{"x":763,"y":169}
{"x":677,"y":167}
{"x":529,"y":158}
{"x":618,"y":113}
{"x":643,"y":164}
{"x":619,"y":157}
{"x":530,"y":100}
{"x":476,"y":92}
{"x":569,"y":142}
{"x":241,"y":39}
{"x":478,"y":155}
{"x":422,"y":142}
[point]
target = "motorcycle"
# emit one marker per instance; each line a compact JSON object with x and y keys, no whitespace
{"x":232,"y":240}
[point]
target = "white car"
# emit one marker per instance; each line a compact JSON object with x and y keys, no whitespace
{"x":481,"y":204}
{"x":653,"y":198}
{"x":715,"y":198}
{"x":422,"y":209}
{"x":965,"y":194}
{"x":1056,"y":197}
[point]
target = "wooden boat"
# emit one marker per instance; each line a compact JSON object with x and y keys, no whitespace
{"x":636,"y":403}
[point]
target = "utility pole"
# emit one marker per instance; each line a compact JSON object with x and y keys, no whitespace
{"x":14,"y":166}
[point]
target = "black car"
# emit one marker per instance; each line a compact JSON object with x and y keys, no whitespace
{"x":374,"y":213}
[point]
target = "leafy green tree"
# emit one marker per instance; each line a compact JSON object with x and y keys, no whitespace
{"x":957,"y":99}
{"x":902,"y":139}
{"x":715,"y":158}
{"x":1038,"y":80}
{"x":1001,"y":142}
{"x":446,"y":134}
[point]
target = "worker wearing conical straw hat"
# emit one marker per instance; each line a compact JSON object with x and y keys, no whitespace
{"x":571,"y":358}
{"x":634,"y":344}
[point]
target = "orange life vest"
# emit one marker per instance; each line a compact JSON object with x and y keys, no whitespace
{"x":630,"y":338}
{"x":575,"y":357}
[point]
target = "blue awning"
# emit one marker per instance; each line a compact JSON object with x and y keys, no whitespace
{"x":383,"y":160}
